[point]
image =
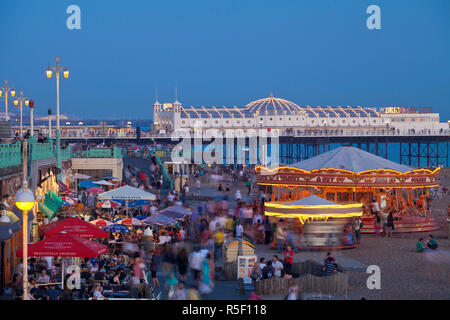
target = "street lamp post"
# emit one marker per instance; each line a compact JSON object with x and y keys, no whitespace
{"x":57,"y":68}
{"x":31,"y":105}
{"x":19,"y":102}
{"x":7,"y":89}
{"x":25,"y":202}
{"x":49,"y":111}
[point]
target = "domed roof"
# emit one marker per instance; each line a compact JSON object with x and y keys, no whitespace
{"x":272,"y":105}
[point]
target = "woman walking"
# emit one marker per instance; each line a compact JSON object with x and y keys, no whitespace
{"x":205,"y":287}
{"x":390,"y":224}
{"x":182,"y":263}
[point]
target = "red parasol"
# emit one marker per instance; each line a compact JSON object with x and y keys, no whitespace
{"x":108,"y":204}
{"x":65,"y":245}
{"x":130,"y":222}
{"x":75,"y":227}
{"x":95,"y":190}
{"x":101,"y":223}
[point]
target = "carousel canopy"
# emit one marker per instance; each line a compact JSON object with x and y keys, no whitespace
{"x":312,"y":200}
{"x":312,"y":207}
{"x":351,"y":159}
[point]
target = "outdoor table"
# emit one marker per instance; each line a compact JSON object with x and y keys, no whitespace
{"x":122,"y":294}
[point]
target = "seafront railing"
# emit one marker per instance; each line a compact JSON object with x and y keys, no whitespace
{"x":285,"y":133}
{"x":11,"y":154}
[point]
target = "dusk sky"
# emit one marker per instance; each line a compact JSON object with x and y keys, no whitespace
{"x":227,"y":52}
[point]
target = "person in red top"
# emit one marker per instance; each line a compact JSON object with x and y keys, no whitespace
{"x":288,"y":259}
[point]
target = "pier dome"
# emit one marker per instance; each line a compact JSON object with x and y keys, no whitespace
{"x":272,"y":105}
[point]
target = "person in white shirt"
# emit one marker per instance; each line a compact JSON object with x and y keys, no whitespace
{"x":162,"y":239}
{"x":43,"y":278}
{"x":262,"y":264}
{"x":197,"y":185}
{"x":49,"y":261}
{"x":248,"y":215}
{"x":195,"y":263}
{"x":153,"y":209}
{"x":97,"y":294}
{"x":170,"y":197}
{"x":237,"y":195}
{"x":277,"y":265}
{"x":239,"y":230}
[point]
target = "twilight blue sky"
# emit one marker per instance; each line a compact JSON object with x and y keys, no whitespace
{"x":227,"y":52}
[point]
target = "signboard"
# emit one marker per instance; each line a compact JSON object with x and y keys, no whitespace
{"x":379,"y":179}
{"x":245,"y":268}
{"x":399,"y":110}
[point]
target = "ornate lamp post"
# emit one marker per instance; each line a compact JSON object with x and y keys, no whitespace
{"x":5,"y":89}
{"x":31,"y":105}
{"x":19,"y":102}
{"x":49,"y":112}
{"x":57,"y":68}
{"x":25,"y":201}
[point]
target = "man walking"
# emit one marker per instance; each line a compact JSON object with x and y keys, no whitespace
{"x":357,"y":227}
{"x":280,"y":236}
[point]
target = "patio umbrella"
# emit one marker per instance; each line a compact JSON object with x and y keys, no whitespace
{"x":75,"y":227}
{"x":108,"y":204}
{"x":69,"y":200}
{"x":104,"y":183}
{"x":116,"y":228}
{"x":175,"y":212}
{"x":173,"y":215}
{"x":11,"y":216}
{"x":65,"y":245}
{"x":160,"y":220}
{"x":141,"y":217}
{"x":101,"y":223}
{"x":130,"y":222}
{"x":110,"y":178}
{"x":87,"y":184}
{"x":127,"y":193}
{"x":80,"y":176}
{"x":63,"y":187}
{"x":95,"y":190}
{"x":138,"y":203}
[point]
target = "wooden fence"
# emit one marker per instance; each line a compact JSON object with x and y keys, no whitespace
{"x":310,"y":280}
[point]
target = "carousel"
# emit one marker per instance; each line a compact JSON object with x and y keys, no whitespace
{"x":350,"y":175}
